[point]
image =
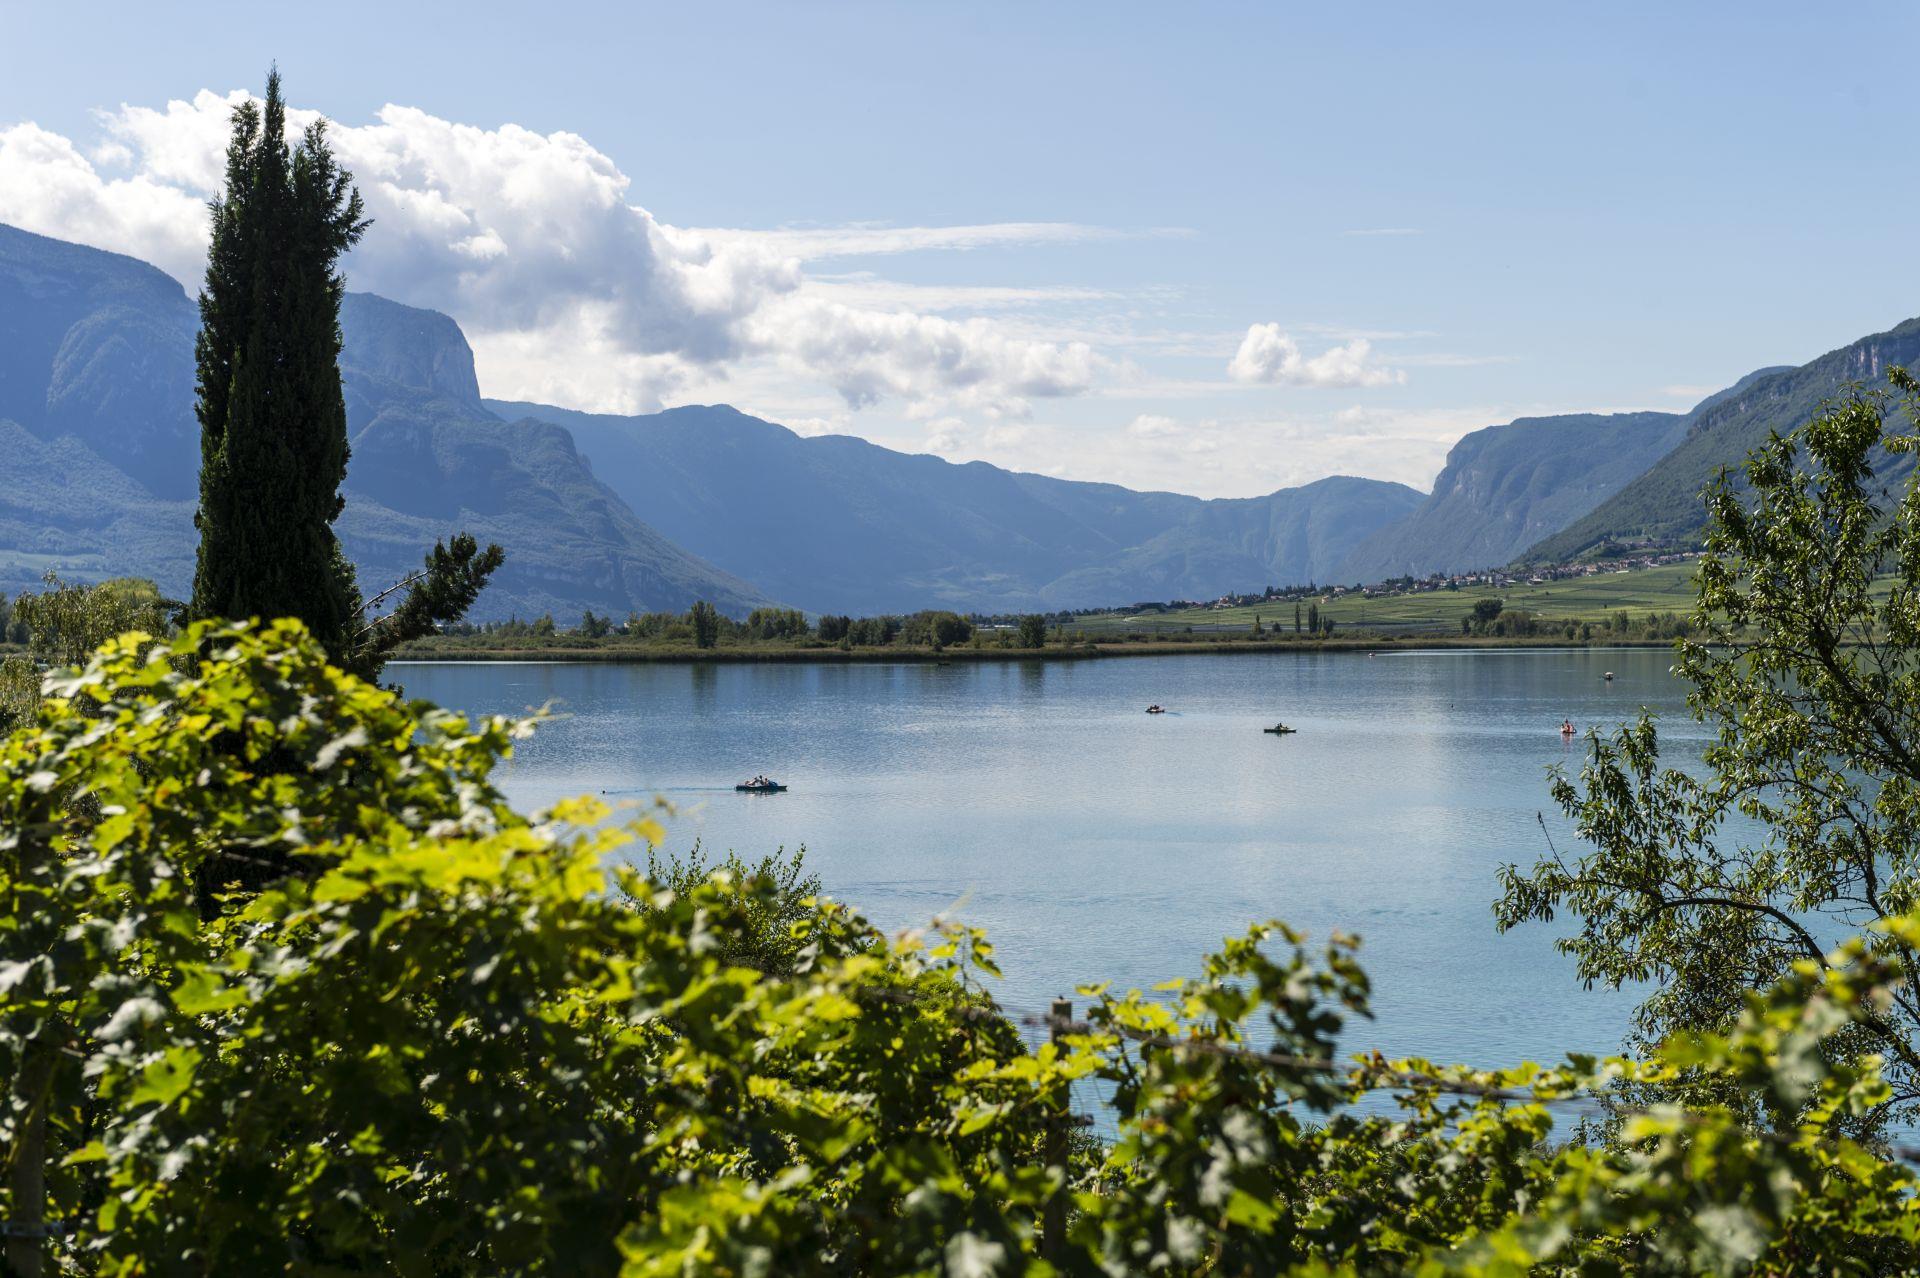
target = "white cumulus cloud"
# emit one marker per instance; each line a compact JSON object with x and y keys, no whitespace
{"x":1269,"y":356}
{"x":568,"y":288}
{"x":47,"y":185}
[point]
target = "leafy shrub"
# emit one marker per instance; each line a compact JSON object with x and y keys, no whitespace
{"x":936,"y":629}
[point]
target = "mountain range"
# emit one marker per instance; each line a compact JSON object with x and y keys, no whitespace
{"x":99,"y":457}
{"x":1506,"y":488}
{"x":847,"y":526}
{"x":1662,"y":506}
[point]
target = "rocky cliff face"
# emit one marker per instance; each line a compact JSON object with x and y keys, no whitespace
{"x":418,"y":349}
{"x":1505,"y":487}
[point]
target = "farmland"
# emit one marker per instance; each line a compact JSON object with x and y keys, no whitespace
{"x":1638,"y":593}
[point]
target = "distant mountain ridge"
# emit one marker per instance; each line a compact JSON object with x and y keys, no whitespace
{"x":97,"y":370}
{"x":1663,"y":507}
{"x":1505,"y":487}
{"x":845,"y":525}
{"x":613,"y":513}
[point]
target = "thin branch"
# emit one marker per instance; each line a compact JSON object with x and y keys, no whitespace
{"x":375,"y":602}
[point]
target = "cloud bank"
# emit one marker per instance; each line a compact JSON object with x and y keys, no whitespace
{"x":569,"y":290}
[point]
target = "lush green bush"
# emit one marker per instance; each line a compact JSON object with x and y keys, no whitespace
{"x":777,"y":623}
{"x":935,"y":628}
{"x":290,"y":989}
{"x":68,"y":620}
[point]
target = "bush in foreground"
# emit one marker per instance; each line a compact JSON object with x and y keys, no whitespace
{"x":289,"y":988}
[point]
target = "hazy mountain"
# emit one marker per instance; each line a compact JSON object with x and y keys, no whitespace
{"x":1663,"y":506}
{"x":99,"y":347}
{"x":843,"y":525}
{"x":428,"y":458}
{"x":102,"y":450}
{"x":64,"y":508}
{"x":1505,"y":487}
{"x":654,"y":511}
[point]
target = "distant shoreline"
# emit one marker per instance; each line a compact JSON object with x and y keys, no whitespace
{"x":616,"y":655}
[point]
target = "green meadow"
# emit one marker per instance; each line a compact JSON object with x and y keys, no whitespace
{"x":1637,"y":593}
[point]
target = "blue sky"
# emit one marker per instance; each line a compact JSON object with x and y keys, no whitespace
{"x":1211,"y":248}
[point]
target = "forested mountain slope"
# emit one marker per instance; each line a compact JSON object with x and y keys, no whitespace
{"x":1663,"y":506}
{"x":845,"y":525}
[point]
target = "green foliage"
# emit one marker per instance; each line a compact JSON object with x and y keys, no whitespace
{"x":935,"y":628}
{"x":705,"y":620}
{"x":1485,"y":610}
{"x":19,"y":691}
{"x":1808,"y":672}
{"x":289,"y":989}
{"x":455,"y":573}
{"x":779,"y":901}
{"x":874,"y":632}
{"x":67,"y":621}
{"x":1033,"y":631}
{"x":777,"y":623}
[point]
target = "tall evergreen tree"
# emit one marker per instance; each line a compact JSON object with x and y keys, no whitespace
{"x":273,"y":420}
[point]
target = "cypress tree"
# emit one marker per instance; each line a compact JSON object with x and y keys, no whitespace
{"x":273,"y":419}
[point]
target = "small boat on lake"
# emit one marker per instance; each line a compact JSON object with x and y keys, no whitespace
{"x":1608,"y":676}
{"x":1156,"y":708}
{"x":1280,"y":730}
{"x":760,"y":785}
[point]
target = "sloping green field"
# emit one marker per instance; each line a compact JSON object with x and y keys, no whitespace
{"x":1664,"y":589}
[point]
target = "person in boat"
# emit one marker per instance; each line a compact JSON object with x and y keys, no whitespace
{"x":1566,"y":727}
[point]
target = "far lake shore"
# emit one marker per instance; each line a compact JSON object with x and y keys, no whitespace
{"x":635,"y":654}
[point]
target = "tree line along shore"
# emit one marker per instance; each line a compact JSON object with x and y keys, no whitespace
{"x":774,"y":634}
{"x":619,"y":653}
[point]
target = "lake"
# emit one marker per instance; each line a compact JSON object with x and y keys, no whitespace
{"x":1096,"y":842}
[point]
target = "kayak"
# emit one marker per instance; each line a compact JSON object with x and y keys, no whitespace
{"x":1280,"y":730}
{"x":772,"y":787}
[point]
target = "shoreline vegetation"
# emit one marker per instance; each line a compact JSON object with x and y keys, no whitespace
{"x":643,"y":654}
{"x":1642,"y":608}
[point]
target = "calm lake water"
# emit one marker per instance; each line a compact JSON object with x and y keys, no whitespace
{"x":1100,"y":843}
